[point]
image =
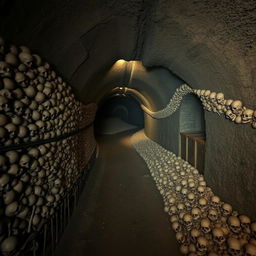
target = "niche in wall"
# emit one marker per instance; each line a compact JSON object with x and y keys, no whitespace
{"x":192,"y":132}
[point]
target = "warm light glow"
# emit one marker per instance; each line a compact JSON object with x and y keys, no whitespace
{"x":120,"y":62}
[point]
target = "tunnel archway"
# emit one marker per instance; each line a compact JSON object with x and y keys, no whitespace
{"x":117,"y":114}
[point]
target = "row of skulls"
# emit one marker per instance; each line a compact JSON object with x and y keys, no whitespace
{"x":35,"y":103}
{"x":204,"y":225}
{"x":234,"y":110}
{"x":173,"y":104}
{"x":33,"y":183}
{"x":211,"y":101}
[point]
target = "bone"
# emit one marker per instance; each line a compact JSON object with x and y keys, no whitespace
{"x":197,"y":215}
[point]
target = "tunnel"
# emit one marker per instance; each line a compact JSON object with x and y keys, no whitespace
{"x":127,"y":127}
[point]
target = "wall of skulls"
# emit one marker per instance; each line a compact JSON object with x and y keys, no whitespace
{"x":203,"y":223}
{"x":233,"y":110}
{"x":46,"y":140}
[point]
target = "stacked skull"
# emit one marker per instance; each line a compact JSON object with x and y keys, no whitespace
{"x":35,"y":105}
{"x":204,"y":225}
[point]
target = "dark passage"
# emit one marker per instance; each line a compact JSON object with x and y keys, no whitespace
{"x":120,"y":211}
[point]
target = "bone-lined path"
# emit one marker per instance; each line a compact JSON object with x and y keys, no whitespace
{"x":204,"y":225}
{"x":120,"y":211}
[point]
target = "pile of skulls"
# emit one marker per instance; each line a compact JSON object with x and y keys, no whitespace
{"x":234,"y":110}
{"x":204,"y":225}
{"x":173,"y":104}
{"x":33,"y":182}
{"x":35,"y":103}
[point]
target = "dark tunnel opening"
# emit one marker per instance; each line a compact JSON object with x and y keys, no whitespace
{"x":118,"y":114}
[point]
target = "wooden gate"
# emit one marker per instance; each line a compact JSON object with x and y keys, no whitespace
{"x":192,"y":149}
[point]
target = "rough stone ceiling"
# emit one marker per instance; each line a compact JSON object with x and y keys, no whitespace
{"x":209,"y":44}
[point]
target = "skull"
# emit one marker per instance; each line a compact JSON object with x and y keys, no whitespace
{"x":47,"y":91}
{"x":207,"y":93}
{"x":9,"y":84}
{"x":234,"y":247}
{"x":42,"y":71}
{"x":25,"y":161}
{"x":45,"y":115}
{"x":202,"y":244}
{"x":174,"y":218}
{"x":237,"y":107}
{"x":12,"y":130}
{"x":11,"y":59}
{"x":212,"y":97}
{"x":40,"y":97}
{"x":187,"y":218}
{"x":21,"y":79}
{"x":234,"y":224}
{"x":247,"y":116}
{"x":5,"y":70}
{"x":27,"y":114}
{"x":26,"y":58}
{"x":30,"y":91}
{"x":36,"y":115}
{"x":205,"y":225}
{"x":215,"y":201}
{"x":18,"y":107}
{"x":213,"y":215}
{"x":226,"y":209}
{"x":180,"y":207}
{"x":191,"y":198}
{"x":220,"y":98}
{"x":196,"y":213}
{"x":194,"y":233}
{"x":184,"y":192}
{"x":203,"y":204}
{"x":176,"y":226}
{"x":250,"y":250}
{"x":218,"y":236}
{"x":245,"y":223}
{"x":33,"y":130}
{"x":4,"y":104}
{"x":181,"y":238}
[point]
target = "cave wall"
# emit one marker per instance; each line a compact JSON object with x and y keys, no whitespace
{"x":209,"y":44}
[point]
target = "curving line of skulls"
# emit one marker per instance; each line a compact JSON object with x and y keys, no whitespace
{"x":211,"y":101}
{"x":204,"y":225}
{"x":232,"y":109}
{"x":33,"y":182}
{"x":35,"y":103}
{"x":173,"y":104}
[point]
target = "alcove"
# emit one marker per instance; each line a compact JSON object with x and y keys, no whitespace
{"x":192,"y":132}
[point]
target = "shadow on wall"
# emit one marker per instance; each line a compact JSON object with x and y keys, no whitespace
{"x":117,"y":114}
{"x":191,"y":115}
{"x":192,"y":144}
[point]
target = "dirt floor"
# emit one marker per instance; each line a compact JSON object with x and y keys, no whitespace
{"x":120,"y":212}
